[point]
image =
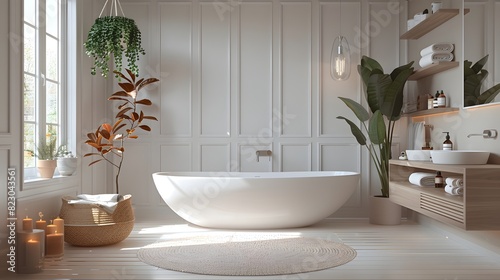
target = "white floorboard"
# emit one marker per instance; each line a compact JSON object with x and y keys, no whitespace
{"x":404,"y":252}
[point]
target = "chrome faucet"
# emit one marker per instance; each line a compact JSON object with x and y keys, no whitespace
{"x":487,"y":133}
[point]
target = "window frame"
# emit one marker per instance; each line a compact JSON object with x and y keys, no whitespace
{"x":40,"y":123}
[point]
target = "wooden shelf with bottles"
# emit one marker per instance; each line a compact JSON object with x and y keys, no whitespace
{"x":433,"y":111}
{"x":432,"y":69}
{"x":477,"y":209}
{"x":433,"y":21}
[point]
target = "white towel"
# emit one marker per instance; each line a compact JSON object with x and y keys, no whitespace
{"x":416,"y":135}
{"x":435,"y":57}
{"x":107,"y":201}
{"x":422,"y":179}
{"x":438,"y":47}
{"x":455,"y":181}
{"x":454,"y":190}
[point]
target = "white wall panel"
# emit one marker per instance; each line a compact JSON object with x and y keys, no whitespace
{"x":255,"y":79}
{"x":215,"y":72}
{"x":176,"y":157}
{"x":4,"y":165}
{"x":215,"y":157}
{"x":136,"y":176}
{"x":296,"y":68}
{"x":13,"y":40}
{"x":175,"y":60}
{"x":295,"y":157}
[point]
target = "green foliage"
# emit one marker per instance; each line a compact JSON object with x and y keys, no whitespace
{"x":47,"y":150}
{"x":114,"y":35}
{"x":474,"y":76}
{"x":384,"y":94}
{"x":109,"y":139}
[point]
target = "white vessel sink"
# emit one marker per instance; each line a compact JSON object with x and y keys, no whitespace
{"x":459,"y":157}
{"x":420,"y":155}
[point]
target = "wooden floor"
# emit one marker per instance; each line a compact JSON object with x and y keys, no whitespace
{"x":407,"y":251}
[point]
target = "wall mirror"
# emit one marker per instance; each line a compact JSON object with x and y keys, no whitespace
{"x":481,"y":26}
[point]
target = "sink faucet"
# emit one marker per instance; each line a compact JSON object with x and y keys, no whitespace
{"x":487,"y":133}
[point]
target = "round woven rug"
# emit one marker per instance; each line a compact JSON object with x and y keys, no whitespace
{"x":246,"y":254}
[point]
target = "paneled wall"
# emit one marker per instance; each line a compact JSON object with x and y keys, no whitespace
{"x":242,"y":76}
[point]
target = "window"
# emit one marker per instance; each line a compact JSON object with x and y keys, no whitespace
{"x":44,"y":56}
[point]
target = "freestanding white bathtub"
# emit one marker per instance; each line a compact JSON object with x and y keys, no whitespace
{"x":241,"y":200}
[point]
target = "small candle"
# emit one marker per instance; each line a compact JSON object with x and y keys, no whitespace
{"x":32,"y":254}
{"x":54,"y":245}
{"x":51,"y":229}
{"x":40,"y":224}
{"x":59,"y":225}
{"x":27,"y":224}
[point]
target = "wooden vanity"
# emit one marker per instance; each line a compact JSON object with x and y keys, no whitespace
{"x":477,"y":209}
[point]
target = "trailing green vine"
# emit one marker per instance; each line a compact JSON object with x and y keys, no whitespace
{"x":114,"y":36}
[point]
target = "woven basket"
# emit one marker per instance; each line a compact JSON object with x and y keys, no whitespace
{"x":89,"y":225}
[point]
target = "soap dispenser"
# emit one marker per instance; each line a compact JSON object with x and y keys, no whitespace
{"x":447,"y":144}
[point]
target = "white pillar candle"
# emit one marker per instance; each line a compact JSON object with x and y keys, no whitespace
{"x":59,"y":225}
{"x":33,"y":249}
{"x":54,"y":245}
{"x":27,"y":224}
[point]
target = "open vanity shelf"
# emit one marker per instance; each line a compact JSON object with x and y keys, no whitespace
{"x":432,"y":69}
{"x":433,"y":21}
{"x":477,"y":209}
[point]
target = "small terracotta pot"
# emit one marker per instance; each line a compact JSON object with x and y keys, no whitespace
{"x":46,"y":168}
{"x":384,"y":212}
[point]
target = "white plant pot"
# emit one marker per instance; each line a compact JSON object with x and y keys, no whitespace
{"x":67,"y":166}
{"x":384,"y":212}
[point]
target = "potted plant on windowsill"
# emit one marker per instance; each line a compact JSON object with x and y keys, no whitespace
{"x":384,"y":95}
{"x":66,"y":162}
{"x":46,"y":154}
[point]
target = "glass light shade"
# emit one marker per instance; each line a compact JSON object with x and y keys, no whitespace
{"x":340,"y":60}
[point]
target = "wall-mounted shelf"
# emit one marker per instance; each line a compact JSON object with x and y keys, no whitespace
{"x":432,"y":69}
{"x":477,"y":209}
{"x":434,"y":111}
{"x":433,"y":21}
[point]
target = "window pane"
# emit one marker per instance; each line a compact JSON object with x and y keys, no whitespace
{"x":29,"y":98}
{"x":52,"y":58}
{"x":29,"y":144}
{"x":52,"y":17}
{"x":30,"y":11}
{"x":29,"y":49}
{"x":52,"y":101}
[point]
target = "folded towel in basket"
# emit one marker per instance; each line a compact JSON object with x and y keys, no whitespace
{"x":435,"y":57}
{"x":108,"y":202}
{"x":422,"y":179}
{"x":455,"y":181}
{"x":438,"y":47}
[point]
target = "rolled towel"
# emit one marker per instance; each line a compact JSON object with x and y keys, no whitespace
{"x":454,"y":190}
{"x":438,"y":47}
{"x":455,"y":181}
{"x":108,"y":202}
{"x":435,"y":57}
{"x":422,"y":179}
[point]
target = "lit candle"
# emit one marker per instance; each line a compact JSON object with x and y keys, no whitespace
{"x":27,"y":224}
{"x":41,"y":224}
{"x":59,"y":224}
{"x":54,"y":245}
{"x":32,"y":254}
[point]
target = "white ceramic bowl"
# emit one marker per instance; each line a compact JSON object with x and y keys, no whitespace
{"x":459,"y":157}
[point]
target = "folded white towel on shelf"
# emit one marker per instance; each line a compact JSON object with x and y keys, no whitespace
{"x":435,"y":57}
{"x":438,"y":47}
{"x":422,"y":179}
{"x":455,"y":181}
{"x":454,"y":190}
{"x":107,"y":201}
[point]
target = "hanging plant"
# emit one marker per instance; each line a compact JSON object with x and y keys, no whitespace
{"x":115,"y":36}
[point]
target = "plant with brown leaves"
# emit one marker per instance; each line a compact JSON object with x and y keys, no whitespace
{"x":109,"y":139}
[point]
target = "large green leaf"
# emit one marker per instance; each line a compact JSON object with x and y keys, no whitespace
{"x":376,"y":89}
{"x":393,"y":100}
{"x":400,"y":69}
{"x":371,"y":64}
{"x":360,"y":137}
{"x":467,"y":69}
{"x":376,"y":128}
{"x":358,"y":110}
{"x":480,"y":64}
{"x":489,"y":95}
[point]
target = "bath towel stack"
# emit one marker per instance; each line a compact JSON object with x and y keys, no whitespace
{"x":436,"y":53}
{"x":107,"y":201}
{"x":422,"y":179}
{"x":454,"y":186}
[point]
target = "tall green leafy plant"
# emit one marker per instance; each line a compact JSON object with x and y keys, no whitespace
{"x":384,"y":95}
{"x":474,"y":76}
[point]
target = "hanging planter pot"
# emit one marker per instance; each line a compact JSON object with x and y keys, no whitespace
{"x":114,"y":36}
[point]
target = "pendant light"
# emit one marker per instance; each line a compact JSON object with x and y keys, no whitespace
{"x":340,"y":59}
